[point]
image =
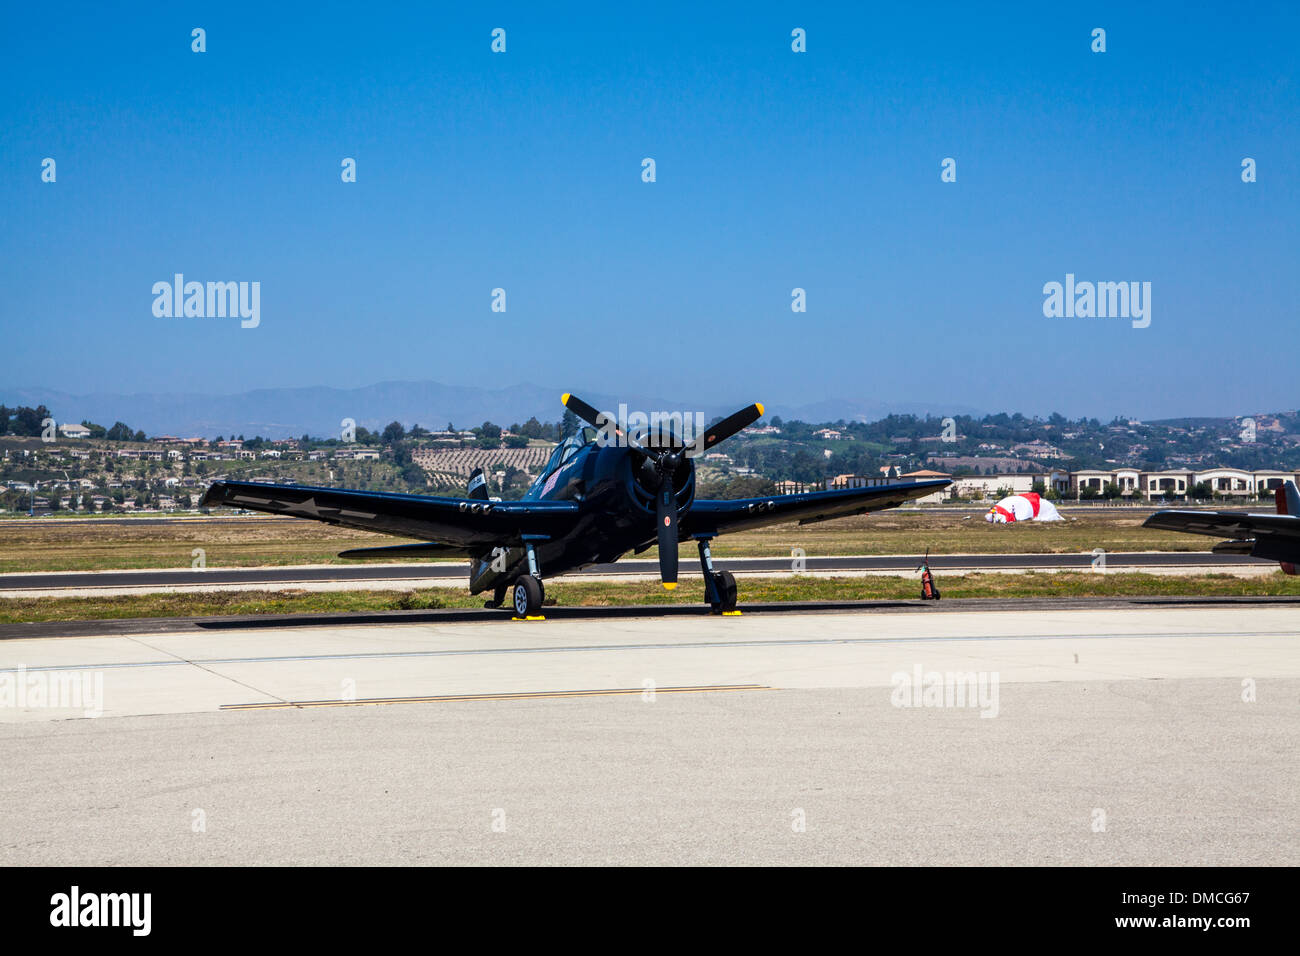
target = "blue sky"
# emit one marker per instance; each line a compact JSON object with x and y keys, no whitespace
{"x":775,"y":170}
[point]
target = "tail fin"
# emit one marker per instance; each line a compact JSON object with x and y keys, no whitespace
{"x":1288,"y":499}
{"x":478,"y":485}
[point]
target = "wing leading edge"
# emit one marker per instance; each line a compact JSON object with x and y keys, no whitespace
{"x":710,"y":517}
{"x":459,"y":523}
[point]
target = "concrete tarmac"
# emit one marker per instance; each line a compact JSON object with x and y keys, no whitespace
{"x":1138,"y":735}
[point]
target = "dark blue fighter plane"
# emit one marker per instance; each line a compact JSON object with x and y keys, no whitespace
{"x":604,"y":492}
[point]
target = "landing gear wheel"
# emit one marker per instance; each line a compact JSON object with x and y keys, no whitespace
{"x":498,"y":597}
{"x":528,"y":596}
{"x":725,"y":584}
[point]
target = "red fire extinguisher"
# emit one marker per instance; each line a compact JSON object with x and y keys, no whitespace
{"x":928,"y":590}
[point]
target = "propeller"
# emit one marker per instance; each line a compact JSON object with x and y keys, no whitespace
{"x":659,"y":468}
{"x":666,"y":518}
{"x":732,"y":424}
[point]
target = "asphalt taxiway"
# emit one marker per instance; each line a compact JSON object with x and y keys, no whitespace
{"x":1117,"y":733}
{"x":455,"y":574}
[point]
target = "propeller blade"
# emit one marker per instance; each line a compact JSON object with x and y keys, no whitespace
{"x":732,"y":424}
{"x":666,"y":517}
{"x":591,"y":415}
{"x":588,"y":413}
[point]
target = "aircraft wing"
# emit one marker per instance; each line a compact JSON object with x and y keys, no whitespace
{"x":1279,"y":530}
{"x":718,"y":517}
{"x":459,"y":525}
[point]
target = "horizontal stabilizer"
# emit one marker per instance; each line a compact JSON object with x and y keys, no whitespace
{"x":428,"y":549}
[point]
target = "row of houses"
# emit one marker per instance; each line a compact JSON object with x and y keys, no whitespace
{"x":74,"y":431}
{"x":1132,"y":483}
{"x":1222,"y":482}
{"x":233,"y":453}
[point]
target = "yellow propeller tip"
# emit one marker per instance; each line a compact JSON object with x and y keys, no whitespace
{"x":669,"y":585}
{"x":564,"y":399}
{"x":759,"y":406}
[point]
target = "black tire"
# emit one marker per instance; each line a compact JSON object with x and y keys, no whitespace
{"x":527,"y":596}
{"x":724,"y":582}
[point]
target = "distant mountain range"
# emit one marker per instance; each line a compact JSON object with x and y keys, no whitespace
{"x":318,"y":410}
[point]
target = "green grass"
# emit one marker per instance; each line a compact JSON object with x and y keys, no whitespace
{"x":613,"y":594}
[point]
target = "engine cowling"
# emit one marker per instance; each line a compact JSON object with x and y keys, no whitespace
{"x":642,"y":485}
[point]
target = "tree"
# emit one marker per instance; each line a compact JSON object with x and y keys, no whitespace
{"x":122,"y":432}
{"x":488,"y":430}
{"x":393,"y":432}
{"x":517,"y":441}
{"x":569,"y":424}
{"x":28,"y":420}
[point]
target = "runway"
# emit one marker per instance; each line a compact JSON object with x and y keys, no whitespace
{"x":455,"y":574}
{"x":667,"y":738}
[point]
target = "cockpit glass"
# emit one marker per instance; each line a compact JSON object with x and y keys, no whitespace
{"x":570,"y":447}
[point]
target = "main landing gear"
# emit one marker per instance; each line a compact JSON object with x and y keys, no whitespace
{"x":528,"y":596}
{"x":528,"y":593}
{"x":719,"y":586}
